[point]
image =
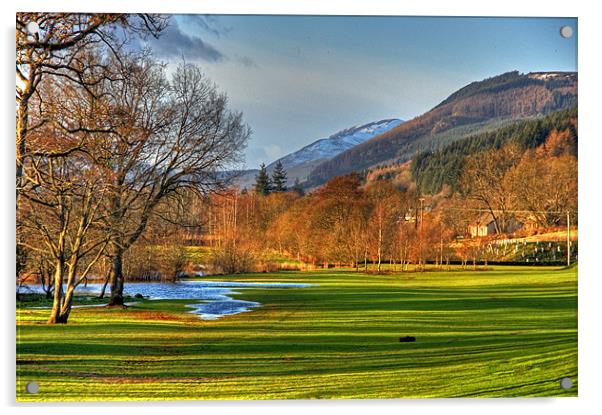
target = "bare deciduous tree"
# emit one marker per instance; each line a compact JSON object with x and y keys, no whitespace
{"x":168,"y":136}
{"x":63,"y":209}
{"x":55,"y":47}
{"x":483,"y":181}
{"x":51,"y":45}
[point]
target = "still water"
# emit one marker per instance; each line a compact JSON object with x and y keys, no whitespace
{"x":211,"y":299}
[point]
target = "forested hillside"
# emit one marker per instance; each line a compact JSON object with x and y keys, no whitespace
{"x":433,"y":169}
{"x":511,"y":80}
{"x":508,"y":96}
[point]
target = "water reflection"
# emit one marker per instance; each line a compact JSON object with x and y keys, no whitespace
{"x":212,"y":298}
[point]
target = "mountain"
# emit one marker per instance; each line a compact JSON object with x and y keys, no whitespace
{"x":299,"y":163}
{"x":493,"y":101}
{"x":327,"y":148}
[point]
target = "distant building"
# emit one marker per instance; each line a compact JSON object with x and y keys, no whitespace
{"x":485,"y":226}
{"x":413,"y":215}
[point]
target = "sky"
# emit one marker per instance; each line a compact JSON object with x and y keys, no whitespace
{"x":300,"y":78}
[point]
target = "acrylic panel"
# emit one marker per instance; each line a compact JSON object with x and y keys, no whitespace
{"x":226,"y":207}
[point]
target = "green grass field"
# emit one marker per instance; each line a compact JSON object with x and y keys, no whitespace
{"x":505,"y":332}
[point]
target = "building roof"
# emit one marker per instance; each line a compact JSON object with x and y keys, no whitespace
{"x":483,"y":219}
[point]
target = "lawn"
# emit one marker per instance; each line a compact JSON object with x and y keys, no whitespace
{"x":504,"y":332}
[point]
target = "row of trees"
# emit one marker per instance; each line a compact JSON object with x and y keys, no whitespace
{"x":105,"y":141}
{"x":343,"y":222}
{"x":350,"y":221}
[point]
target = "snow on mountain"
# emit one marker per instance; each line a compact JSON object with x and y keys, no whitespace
{"x":299,"y":164}
{"x":327,"y":148}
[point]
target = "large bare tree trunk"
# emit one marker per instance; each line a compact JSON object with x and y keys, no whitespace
{"x":56,"y":303}
{"x":55,"y":314}
{"x":117,"y":278}
{"x":66,"y":307}
{"x":61,"y":308}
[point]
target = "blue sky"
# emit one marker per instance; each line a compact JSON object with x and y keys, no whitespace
{"x":300,"y":78}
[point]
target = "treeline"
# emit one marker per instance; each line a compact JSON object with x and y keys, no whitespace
{"x":432,"y":170}
{"x":516,"y":189}
{"x":343,"y":222}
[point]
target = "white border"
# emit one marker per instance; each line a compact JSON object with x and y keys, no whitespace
{"x":590,"y":152}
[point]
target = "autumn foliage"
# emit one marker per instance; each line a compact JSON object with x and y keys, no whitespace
{"x":367,"y":222}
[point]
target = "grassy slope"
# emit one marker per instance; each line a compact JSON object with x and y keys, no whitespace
{"x":508,"y":332}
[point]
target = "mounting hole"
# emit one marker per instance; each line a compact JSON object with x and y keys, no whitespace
{"x":32,"y":387}
{"x":566,"y":383}
{"x":566,"y":32}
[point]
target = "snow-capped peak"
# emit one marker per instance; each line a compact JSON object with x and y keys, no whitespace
{"x":327,"y":148}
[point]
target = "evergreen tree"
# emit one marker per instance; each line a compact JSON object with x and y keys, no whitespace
{"x":279,"y":178}
{"x":262,"y":181}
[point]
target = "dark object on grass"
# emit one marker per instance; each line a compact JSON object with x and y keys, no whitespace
{"x":138,"y":296}
{"x":406,"y":339}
